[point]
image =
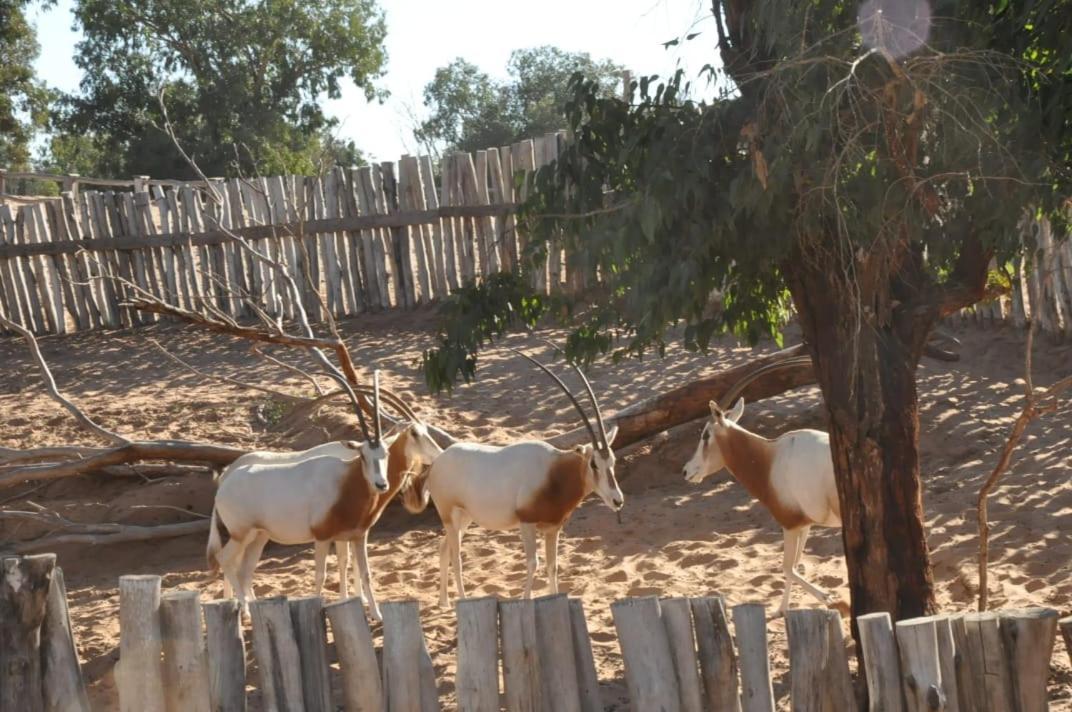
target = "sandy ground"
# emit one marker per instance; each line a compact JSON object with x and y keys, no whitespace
{"x":675,"y":539}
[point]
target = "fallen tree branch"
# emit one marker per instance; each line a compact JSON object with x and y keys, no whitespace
{"x":50,"y":384}
{"x":12,"y":456}
{"x":690,"y":401}
{"x":118,"y":534}
{"x":175,"y":450}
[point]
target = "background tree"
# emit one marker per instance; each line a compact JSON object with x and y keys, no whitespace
{"x":23,"y":99}
{"x":866,"y":166}
{"x":471,"y":111}
{"x":242,"y":82}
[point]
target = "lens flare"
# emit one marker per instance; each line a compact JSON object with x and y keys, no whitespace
{"x":895,"y":27}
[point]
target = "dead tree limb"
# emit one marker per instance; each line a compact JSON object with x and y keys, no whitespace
{"x":50,"y":384}
{"x":287,"y":397}
{"x":174,"y":450}
{"x":120,"y":534}
{"x":690,"y":401}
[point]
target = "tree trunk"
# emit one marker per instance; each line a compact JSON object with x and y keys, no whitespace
{"x":865,"y":361}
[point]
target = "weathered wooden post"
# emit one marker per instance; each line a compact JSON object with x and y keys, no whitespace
{"x":921,"y":672}
{"x":185,"y":667}
{"x":881,"y":663}
{"x":809,"y":646}
{"x":1066,"y":631}
{"x":226,"y":656}
{"x":947,"y":661}
{"x":558,"y":668}
{"x":139,"y":674}
{"x":587,"y":680}
{"x":1029,"y":637}
{"x":477,"y":680}
{"x":520,"y":655}
{"x":312,"y":636}
{"x":649,"y":665}
{"x":276,"y":650}
{"x":70,"y":185}
{"x":987,"y":670}
{"x":677,"y":617}
{"x":409,"y":682}
{"x":361,"y":683}
{"x":718,"y":661}
{"x":64,"y":688}
{"x":141,"y":184}
{"x":750,"y":625}
{"x":3,"y":181}
{"x":23,"y":603}
{"x":841,"y":695}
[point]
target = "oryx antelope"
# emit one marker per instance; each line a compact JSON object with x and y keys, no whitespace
{"x":332,"y":492}
{"x":792,"y":476}
{"x":531,"y":485}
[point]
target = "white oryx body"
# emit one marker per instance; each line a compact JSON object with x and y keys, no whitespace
{"x":792,"y":476}
{"x":531,"y":486}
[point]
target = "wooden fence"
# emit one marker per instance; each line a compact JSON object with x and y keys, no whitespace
{"x":679,"y":654}
{"x":354,"y":240}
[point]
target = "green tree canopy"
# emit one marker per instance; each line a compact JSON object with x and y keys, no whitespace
{"x":242,"y":81}
{"x":471,"y":111}
{"x":867,"y":165}
{"x":23,"y":99}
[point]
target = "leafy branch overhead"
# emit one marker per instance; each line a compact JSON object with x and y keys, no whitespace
{"x":901,"y":169}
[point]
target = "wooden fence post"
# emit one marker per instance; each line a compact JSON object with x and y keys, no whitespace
{"x":587,"y":680}
{"x":64,"y":688}
{"x":70,"y":185}
{"x":677,"y":617}
{"x":141,"y":184}
{"x":308,"y":616}
{"x":555,"y":642}
{"x":361,"y":684}
{"x":649,"y":666}
{"x":185,"y":667}
{"x":881,"y":662}
{"x":1029,"y":637}
{"x":947,"y":661}
{"x":3,"y":181}
{"x":276,"y":650}
{"x":409,"y":684}
{"x":520,"y":655}
{"x":809,"y":646}
{"x":921,"y":672}
{"x":477,"y":679}
{"x":1066,"y":633}
{"x":987,"y":667}
{"x":23,"y":602}
{"x":226,"y":656}
{"x":139,"y":674}
{"x":718,"y":661}
{"x":750,"y":625}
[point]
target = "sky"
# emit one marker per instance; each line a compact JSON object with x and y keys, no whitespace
{"x":423,"y":35}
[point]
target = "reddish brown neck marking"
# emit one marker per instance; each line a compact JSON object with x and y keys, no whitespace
{"x":564,"y":489}
{"x":749,"y":458}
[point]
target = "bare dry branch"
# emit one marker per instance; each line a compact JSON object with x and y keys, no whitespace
{"x":289,"y":367}
{"x":50,"y":384}
{"x":119,"y":534}
{"x":289,"y":398}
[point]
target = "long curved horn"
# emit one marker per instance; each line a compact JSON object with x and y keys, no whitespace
{"x":353,"y":399}
{"x":376,"y":403}
{"x":726,"y":401}
{"x":566,"y":390}
{"x":591,"y":393}
{"x":391,"y":399}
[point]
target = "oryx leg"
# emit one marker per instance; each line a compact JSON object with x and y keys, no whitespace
{"x":342,"y":561}
{"x":230,"y":560}
{"x":360,"y":545}
{"x":459,"y":521}
{"x":550,"y":542}
{"x":821,"y":595}
{"x":320,"y":564}
{"x":250,"y":559}
{"x":444,"y":570}
{"x":528,"y":541}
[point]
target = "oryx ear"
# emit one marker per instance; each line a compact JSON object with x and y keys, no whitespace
{"x":395,"y":430}
{"x":715,"y":410}
{"x":738,"y":410}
